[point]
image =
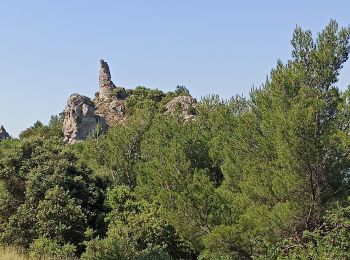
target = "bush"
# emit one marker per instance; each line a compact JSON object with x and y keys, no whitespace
{"x":97,"y":249}
{"x":44,"y":248}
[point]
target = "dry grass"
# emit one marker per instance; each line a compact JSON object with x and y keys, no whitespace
{"x":9,"y":253}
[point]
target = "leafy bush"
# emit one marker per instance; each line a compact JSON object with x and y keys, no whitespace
{"x":44,"y":248}
{"x":331,"y":240}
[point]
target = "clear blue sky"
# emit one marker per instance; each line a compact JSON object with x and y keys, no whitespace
{"x":51,"y":49}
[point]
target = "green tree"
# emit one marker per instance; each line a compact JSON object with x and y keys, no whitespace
{"x":116,"y":154}
{"x":52,"y":130}
{"x":329,"y":241}
{"x":286,"y":159}
{"x":60,"y":218}
{"x":28,"y":171}
{"x":136,"y":229}
{"x":176,"y":171}
{"x":182,"y":91}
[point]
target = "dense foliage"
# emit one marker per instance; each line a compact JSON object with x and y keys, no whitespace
{"x":263,"y":177}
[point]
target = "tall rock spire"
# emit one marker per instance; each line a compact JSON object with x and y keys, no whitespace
{"x":106,"y":84}
{"x":3,"y":134}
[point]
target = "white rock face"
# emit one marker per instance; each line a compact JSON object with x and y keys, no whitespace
{"x":80,"y":119}
{"x":185,"y":105}
{"x":3,"y":134}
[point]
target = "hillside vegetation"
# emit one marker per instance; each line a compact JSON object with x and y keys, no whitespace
{"x":258,"y":177}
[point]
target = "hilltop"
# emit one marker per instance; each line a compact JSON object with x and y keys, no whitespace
{"x":111,"y":106}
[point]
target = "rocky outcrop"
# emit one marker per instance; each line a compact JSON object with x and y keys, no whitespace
{"x":105,"y":81}
{"x":109,"y":101}
{"x":80,"y":119}
{"x":3,"y":134}
{"x":112,"y":110}
{"x":82,"y":115}
{"x":185,"y":106}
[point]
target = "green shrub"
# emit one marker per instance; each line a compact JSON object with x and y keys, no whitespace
{"x":44,"y":248}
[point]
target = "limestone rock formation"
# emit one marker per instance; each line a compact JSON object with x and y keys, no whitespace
{"x":105,"y":81}
{"x":80,"y":119}
{"x":82,"y":115}
{"x":109,"y":101}
{"x":3,"y":134}
{"x":185,"y":105}
{"x":112,"y":110}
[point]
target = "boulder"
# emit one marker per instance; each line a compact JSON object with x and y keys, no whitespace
{"x":80,"y":119}
{"x":185,"y":106}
